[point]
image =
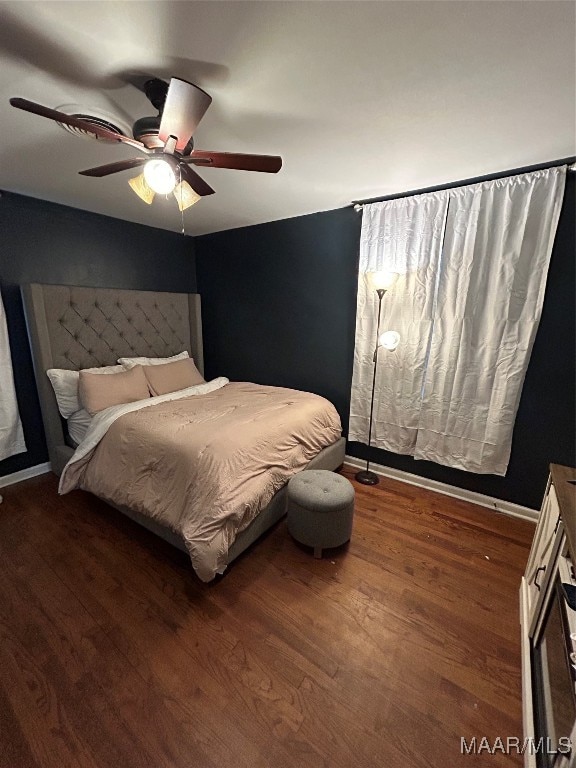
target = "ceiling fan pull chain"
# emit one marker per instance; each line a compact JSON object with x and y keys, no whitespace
{"x":181,"y":206}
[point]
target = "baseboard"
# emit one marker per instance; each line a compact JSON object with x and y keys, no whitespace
{"x":496,"y":505}
{"x":24,"y":474}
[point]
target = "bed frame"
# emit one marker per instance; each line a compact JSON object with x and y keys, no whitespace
{"x":74,"y":327}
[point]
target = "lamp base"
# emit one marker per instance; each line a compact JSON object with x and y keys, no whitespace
{"x":367,"y":478}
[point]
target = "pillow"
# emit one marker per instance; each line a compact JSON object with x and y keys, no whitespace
{"x":65,"y":385}
{"x":172,"y":376}
{"x":96,"y":393}
{"x":78,"y":424}
{"x":130,"y":362}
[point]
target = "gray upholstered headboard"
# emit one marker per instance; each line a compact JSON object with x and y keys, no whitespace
{"x":73,"y":327}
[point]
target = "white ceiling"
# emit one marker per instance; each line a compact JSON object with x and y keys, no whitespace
{"x":361,"y":99}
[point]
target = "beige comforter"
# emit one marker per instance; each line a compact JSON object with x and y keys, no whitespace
{"x":206,"y":465}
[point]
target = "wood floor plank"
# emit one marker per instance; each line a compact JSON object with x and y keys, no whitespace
{"x":385,"y":652}
{"x":115,"y":592}
{"x":76,"y":658}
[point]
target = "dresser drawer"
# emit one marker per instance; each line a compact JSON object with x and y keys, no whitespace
{"x":546,"y":537}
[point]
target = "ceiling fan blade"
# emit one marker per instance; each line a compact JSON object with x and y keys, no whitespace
{"x":74,"y":122}
{"x":196,"y":182}
{"x":121,"y":165}
{"x":184,"y":107}
{"x":262,"y":163}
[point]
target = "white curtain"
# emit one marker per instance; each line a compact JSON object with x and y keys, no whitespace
{"x":499,"y":237}
{"x":403,"y":236}
{"x":11,"y":435}
{"x":473,"y":263}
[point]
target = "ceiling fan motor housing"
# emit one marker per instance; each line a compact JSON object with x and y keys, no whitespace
{"x":145,"y":129}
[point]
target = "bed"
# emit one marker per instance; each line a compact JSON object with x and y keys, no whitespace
{"x":76,"y":328}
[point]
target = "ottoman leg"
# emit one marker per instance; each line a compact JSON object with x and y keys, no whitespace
{"x":318,"y":553}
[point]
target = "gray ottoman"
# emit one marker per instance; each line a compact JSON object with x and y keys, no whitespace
{"x":320,"y":509}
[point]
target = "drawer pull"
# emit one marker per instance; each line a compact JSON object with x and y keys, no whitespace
{"x":542,"y":568}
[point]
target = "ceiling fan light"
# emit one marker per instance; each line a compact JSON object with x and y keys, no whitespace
{"x":160,"y":176}
{"x":140,"y":186}
{"x":185,"y":195}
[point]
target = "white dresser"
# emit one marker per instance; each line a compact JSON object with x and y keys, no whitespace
{"x":548,"y":626}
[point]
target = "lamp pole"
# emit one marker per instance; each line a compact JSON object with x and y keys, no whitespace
{"x":365,"y":476}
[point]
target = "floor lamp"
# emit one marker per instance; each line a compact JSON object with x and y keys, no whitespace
{"x":381,"y":282}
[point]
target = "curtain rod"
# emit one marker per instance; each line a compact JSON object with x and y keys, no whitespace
{"x":569,"y":161}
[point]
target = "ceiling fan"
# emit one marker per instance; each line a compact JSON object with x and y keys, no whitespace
{"x":165,"y":141}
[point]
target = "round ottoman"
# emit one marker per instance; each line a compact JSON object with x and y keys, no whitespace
{"x":320,"y":509}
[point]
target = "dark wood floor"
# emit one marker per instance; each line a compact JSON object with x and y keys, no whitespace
{"x":382,"y":655}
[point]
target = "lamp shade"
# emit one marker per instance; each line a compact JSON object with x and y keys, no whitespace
{"x":389,"y":340}
{"x":185,"y":195}
{"x":382,"y":280}
{"x":140,"y":186}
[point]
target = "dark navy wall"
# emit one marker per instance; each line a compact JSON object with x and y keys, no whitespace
{"x":48,"y":243}
{"x":279,"y":305}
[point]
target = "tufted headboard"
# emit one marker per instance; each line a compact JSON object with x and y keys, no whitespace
{"x":72,"y":327}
